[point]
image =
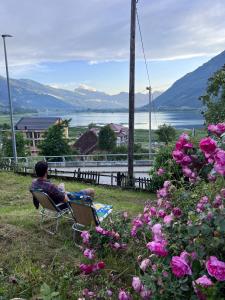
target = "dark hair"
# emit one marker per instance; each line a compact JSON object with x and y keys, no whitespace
{"x":41,"y":168}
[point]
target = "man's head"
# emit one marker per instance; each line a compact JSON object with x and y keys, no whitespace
{"x":41,"y":168}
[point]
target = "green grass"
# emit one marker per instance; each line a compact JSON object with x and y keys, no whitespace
{"x":30,"y":257}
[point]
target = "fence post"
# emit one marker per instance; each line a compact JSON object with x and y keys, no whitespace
{"x":118,"y":178}
{"x":112,"y":180}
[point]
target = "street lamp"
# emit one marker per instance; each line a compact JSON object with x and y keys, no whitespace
{"x":4,"y":36}
{"x":149,"y":89}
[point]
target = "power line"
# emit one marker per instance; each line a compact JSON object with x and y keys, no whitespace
{"x":143,"y":49}
{"x":145,"y":59}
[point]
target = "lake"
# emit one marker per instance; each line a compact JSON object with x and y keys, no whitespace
{"x":180,"y":120}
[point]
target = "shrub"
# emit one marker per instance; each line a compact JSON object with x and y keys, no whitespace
{"x":175,"y":249}
{"x":164,"y":168}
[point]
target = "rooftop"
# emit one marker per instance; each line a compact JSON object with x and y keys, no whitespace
{"x":36,"y":123}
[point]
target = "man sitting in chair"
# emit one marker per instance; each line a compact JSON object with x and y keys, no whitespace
{"x":53,"y":191}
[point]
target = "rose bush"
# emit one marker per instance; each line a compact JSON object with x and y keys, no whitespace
{"x":174,"y":249}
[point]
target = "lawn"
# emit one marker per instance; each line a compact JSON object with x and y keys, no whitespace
{"x":31,"y":258}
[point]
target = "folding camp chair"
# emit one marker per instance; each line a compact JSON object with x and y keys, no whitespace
{"x":49,"y":210}
{"x":85,"y":215}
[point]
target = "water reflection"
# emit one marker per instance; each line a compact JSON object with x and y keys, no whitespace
{"x":186,"y":120}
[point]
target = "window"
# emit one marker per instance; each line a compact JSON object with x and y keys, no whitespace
{"x":37,"y":135}
{"x":29,"y":135}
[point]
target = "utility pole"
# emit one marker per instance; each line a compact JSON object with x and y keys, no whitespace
{"x":150,"y":120}
{"x":10,"y":101}
{"x":131,"y":94}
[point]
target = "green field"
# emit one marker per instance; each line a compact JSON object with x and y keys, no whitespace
{"x":141,"y":136}
{"x":30,"y":257}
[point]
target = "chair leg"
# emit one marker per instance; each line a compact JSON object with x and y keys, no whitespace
{"x":43,"y":217}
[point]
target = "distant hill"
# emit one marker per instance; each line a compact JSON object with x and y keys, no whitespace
{"x":28,"y":95}
{"x":185,"y":92}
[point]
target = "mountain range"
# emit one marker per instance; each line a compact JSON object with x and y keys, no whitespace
{"x":28,"y":95}
{"x":185,"y":92}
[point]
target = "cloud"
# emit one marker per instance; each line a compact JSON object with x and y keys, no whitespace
{"x":98,"y":30}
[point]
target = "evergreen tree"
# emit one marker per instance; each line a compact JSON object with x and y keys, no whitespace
{"x":55,"y":143}
{"x":107,"y":139}
{"x":214,"y":99}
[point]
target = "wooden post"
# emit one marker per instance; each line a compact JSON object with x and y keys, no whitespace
{"x":131,"y":95}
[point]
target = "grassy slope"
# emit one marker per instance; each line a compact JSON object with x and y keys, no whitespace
{"x":30,"y":257}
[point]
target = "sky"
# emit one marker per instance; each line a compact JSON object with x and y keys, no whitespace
{"x":72,"y":43}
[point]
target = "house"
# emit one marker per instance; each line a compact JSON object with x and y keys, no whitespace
{"x":121,"y":133}
{"x":88,"y":142}
{"x":33,"y":129}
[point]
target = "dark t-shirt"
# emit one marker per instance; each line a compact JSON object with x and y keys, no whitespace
{"x":49,"y":188}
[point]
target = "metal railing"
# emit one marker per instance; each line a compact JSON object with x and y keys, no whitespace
{"x":93,"y":160}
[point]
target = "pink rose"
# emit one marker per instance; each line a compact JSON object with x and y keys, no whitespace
{"x":186,"y":160}
{"x":187,"y":171}
{"x":177,"y":155}
{"x":165,"y":274}
{"x":160,"y":172}
{"x":99,"y":229}
{"x":168,"y":219}
{"x":154,"y":268}
{"x":180,"y":267}
{"x":137,"y":222}
{"x":222,"y":192}
{"x":211,"y":178}
{"x":85,"y":236}
{"x":145,"y":293}
{"x":109,"y":293}
{"x":217,"y":201}
{"x":136,"y":284}
{"x":158,"y":248}
{"x":217,"y":129}
{"x":177,"y":212}
{"x":161,"y":213}
{"x":133,"y":231}
{"x":156,"y":229}
{"x":145,"y":264}
{"x":89,"y":253}
{"x":153,"y":211}
{"x":162,"y":193}
{"x":167,"y":184}
{"x":220,"y":162}
{"x":124,"y":295}
{"x":87,"y":269}
{"x":208,"y":146}
{"x":216,"y":268}
{"x":204,"y":281}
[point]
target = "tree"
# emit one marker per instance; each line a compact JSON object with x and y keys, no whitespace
{"x":20,"y":145}
{"x":54,"y":143}
{"x":214,"y":99}
{"x":107,"y":138}
{"x":165,"y":133}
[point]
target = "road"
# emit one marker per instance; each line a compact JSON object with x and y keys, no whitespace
{"x":108,"y":172}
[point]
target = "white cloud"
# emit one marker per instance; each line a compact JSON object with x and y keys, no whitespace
{"x":98,"y":30}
